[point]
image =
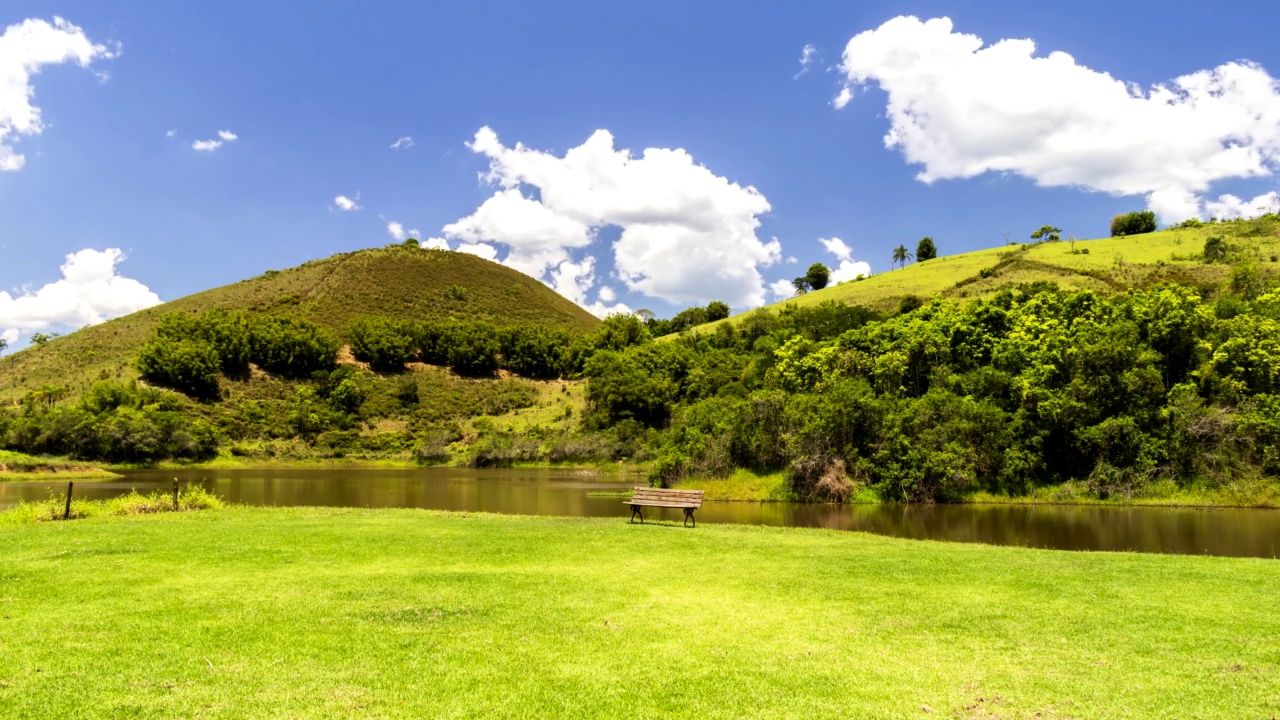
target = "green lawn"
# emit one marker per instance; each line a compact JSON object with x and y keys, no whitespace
{"x":308,"y":613}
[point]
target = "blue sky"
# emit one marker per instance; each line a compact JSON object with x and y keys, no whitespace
{"x":316,"y":93}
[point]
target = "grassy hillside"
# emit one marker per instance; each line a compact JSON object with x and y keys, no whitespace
{"x":396,"y":282}
{"x":1105,"y":265}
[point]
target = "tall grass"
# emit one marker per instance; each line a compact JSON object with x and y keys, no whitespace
{"x":135,"y":503}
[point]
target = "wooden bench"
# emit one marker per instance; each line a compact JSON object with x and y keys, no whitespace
{"x":687,"y":500}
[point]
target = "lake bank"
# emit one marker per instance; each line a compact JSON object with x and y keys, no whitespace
{"x":402,"y":613}
{"x":752,"y":486}
{"x":19,"y":467}
{"x":744,"y":485}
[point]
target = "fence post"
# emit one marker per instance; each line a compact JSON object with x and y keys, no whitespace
{"x":175,"y":494}
{"x":66,"y":513}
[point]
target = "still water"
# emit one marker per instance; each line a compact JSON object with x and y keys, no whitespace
{"x":1237,"y":532}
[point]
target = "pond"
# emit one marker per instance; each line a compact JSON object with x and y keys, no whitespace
{"x":1235,"y":532}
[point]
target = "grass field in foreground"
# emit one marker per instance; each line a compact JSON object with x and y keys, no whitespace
{"x":305,"y":613}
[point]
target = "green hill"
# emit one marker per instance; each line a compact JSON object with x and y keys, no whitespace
{"x":1105,"y":266}
{"x":394,"y":282}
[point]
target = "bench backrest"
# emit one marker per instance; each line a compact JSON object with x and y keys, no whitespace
{"x":678,"y":498}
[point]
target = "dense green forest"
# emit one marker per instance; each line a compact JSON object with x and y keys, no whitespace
{"x":1147,"y":390}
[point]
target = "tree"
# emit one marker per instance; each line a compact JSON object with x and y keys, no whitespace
{"x":39,"y":339}
{"x":1215,"y":249}
{"x":1047,"y":233}
{"x":801,"y":285}
{"x":716,"y":310}
{"x":188,"y":364}
{"x":901,"y":255}
{"x":1134,"y":223}
{"x":818,"y":276}
{"x":926,"y":250}
{"x":3,"y":344}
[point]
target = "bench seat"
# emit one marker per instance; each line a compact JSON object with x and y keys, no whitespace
{"x":687,"y":500}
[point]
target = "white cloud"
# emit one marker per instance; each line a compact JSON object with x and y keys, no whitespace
{"x":225,"y":136}
{"x":808,"y":56}
{"x":488,"y":252}
{"x":1228,"y":207}
{"x":606,"y":294}
{"x":687,"y":235}
{"x":842,"y":98}
{"x":539,"y":237}
{"x":782,"y":289}
{"x":396,"y":230}
{"x":402,"y":144}
{"x":837,"y":247}
{"x":848,"y":268}
{"x":960,"y":109}
{"x":347,"y":204}
{"x":24,"y":49}
{"x":89,"y":292}
{"x":171,"y":132}
{"x":435,"y":243}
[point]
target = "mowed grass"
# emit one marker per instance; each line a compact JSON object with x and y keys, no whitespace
{"x":307,"y":613}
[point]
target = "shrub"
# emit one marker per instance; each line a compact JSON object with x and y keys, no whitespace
{"x":1215,"y":249}
{"x":292,"y":347}
{"x":472,"y":348}
{"x":910,"y":303}
{"x":188,"y":365}
{"x":926,"y":249}
{"x":534,"y":351}
{"x":384,"y":344}
{"x":1134,"y":223}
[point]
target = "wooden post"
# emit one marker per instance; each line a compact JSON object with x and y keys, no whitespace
{"x":66,"y":514}
{"x":175,"y":494}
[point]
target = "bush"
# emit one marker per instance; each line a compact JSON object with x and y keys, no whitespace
{"x":472,"y":348}
{"x":534,"y":351}
{"x":926,"y":249}
{"x":189,"y":365}
{"x":1134,"y":223}
{"x":384,"y":344}
{"x":1215,"y":249}
{"x":910,"y":303}
{"x":292,"y":347}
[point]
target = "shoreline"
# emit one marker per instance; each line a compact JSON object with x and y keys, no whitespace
{"x":751,"y":487}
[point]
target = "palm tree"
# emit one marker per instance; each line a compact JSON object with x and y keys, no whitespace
{"x":901,"y":255}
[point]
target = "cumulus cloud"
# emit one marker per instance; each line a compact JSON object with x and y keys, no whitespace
{"x":842,"y":98}
{"x":403,"y":143}
{"x":397,"y":230}
{"x":686,"y":234}
{"x":808,"y":56}
{"x":848,"y":268}
{"x":24,"y":49}
{"x":89,"y":292}
{"x":346,"y":204}
{"x":224,"y":136}
{"x":488,"y":252}
{"x":960,"y":108}
{"x":782,"y":289}
{"x":434,"y":243}
{"x":1228,"y":207}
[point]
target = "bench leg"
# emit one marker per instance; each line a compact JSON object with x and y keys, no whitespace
{"x":635,"y":512}
{"x":688,"y":515}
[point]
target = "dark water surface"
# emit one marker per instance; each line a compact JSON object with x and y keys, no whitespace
{"x":1236,"y":532}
